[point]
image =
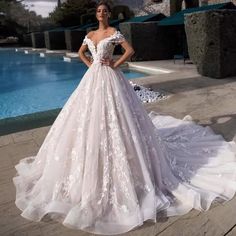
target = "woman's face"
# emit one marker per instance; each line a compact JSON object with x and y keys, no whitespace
{"x":102,"y":13}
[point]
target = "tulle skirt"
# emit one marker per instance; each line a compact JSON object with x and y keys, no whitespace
{"x":106,"y":165}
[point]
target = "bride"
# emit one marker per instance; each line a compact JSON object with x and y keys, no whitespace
{"x":106,"y":165}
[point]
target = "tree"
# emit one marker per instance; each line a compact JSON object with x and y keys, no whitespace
{"x":17,"y":18}
{"x":69,"y":12}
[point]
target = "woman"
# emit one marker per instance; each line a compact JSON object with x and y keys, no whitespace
{"x":106,"y":166}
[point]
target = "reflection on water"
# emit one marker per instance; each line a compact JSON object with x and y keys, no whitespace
{"x":30,"y":83}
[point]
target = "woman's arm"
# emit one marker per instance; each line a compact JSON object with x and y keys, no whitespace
{"x":82,"y":56}
{"x":129,"y":51}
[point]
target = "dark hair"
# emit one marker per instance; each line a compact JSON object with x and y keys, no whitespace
{"x":100,"y":3}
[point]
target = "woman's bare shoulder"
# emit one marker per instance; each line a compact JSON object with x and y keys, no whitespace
{"x":90,"y":33}
{"x":112,"y":30}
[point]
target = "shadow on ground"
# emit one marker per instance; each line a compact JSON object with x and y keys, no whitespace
{"x":188,"y":84}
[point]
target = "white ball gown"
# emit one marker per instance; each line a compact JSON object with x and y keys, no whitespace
{"x":106,"y":165}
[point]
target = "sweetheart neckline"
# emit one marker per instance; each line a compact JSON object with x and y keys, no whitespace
{"x":101,"y":39}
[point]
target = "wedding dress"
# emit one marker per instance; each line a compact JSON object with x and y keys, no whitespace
{"x":106,"y":165}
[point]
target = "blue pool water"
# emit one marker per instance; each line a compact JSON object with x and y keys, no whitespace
{"x":30,"y":83}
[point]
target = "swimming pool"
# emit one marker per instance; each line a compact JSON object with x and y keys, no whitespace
{"x":30,"y":83}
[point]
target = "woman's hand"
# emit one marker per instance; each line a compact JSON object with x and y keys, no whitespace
{"x":108,"y":62}
{"x":91,"y":60}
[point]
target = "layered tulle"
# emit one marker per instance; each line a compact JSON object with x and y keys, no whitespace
{"x":106,"y":165}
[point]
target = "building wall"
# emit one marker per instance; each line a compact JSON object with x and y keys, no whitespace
{"x":220,"y":1}
{"x":167,"y":7}
{"x":144,"y":7}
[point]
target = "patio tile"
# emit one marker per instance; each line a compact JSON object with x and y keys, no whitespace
{"x":5,"y":158}
{"x":21,"y":150}
{"x":22,"y":136}
{"x":5,"y":140}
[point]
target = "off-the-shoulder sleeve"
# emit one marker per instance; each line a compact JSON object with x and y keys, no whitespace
{"x":85,"y":41}
{"x":119,"y":38}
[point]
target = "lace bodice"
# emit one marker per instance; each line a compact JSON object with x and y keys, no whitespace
{"x":105,"y":47}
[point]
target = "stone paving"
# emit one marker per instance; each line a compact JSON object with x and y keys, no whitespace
{"x":209,"y":101}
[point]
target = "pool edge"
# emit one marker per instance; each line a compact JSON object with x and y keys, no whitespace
{"x":28,"y":121}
